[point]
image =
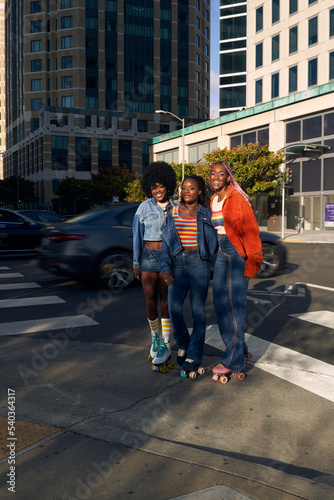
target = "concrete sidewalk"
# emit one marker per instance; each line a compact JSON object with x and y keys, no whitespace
{"x":96,"y":422}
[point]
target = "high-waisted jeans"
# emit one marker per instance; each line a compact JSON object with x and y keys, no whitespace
{"x":193,"y":274}
{"x":229,"y":299}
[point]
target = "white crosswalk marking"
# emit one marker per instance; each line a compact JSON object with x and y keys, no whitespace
{"x":11,"y":275}
{"x":323,"y":318}
{"x":19,"y":286}
{"x":304,"y":371}
{"x":3,"y":268}
{"x":42,"y":325}
{"x":30,"y":301}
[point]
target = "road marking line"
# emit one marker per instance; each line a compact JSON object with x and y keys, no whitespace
{"x":41,"y":325}
{"x":19,"y":286}
{"x":2,"y":268}
{"x":322,"y":318}
{"x":11,"y":275}
{"x":304,"y":371}
{"x":316,"y":286}
{"x":30,"y":301}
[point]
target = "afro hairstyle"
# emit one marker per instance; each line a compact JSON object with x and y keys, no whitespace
{"x":158,"y":172}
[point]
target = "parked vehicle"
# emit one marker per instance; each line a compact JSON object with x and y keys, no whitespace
{"x":17,"y":233}
{"x":98,"y":245}
{"x":44,"y":216}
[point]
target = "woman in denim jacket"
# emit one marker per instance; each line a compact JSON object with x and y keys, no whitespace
{"x":189,"y":242}
{"x":158,"y":183}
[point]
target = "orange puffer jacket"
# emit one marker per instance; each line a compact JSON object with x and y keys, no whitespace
{"x":242,"y":230}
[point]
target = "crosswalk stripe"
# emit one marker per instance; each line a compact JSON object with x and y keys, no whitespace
{"x":41,"y":325}
{"x":11,"y":275}
{"x":316,"y":286}
{"x":322,"y":318}
{"x":19,"y":286}
{"x":304,"y":371}
{"x":30,"y":301}
{"x":2,"y":268}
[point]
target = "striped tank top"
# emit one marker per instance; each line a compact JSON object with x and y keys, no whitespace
{"x":186,"y":229}
{"x":217,"y":215}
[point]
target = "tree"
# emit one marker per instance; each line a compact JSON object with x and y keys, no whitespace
{"x":253,"y":166}
{"x":74,"y":195}
{"x":16,"y":190}
{"x":110,"y":182}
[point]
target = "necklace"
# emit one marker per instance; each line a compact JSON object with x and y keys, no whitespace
{"x":163,"y":205}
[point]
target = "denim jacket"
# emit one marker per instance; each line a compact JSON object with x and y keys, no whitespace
{"x":146,"y":226}
{"x":171,"y":244}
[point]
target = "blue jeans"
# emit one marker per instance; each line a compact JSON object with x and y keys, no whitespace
{"x":193,"y":274}
{"x":229,"y":300}
{"x":150,"y":260}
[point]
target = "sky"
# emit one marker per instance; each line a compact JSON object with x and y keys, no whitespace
{"x":214,"y":60}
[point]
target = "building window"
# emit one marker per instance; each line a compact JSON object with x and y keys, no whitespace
{"x":310,"y":2}
{"x":331,"y":66}
{"x":36,"y":46}
{"x":198,"y":25}
{"x":275,"y":48}
{"x":36,"y":65}
{"x":66,"y":22}
{"x":258,"y":91}
{"x":275,"y":11}
{"x":67,"y":101}
{"x":207,"y":15}
{"x":207,"y":32}
{"x":198,"y":5}
{"x":67,"y":82}
{"x":36,"y":104}
{"x":274,"y":85}
{"x":198,"y":59}
{"x":259,"y":19}
{"x":66,"y":4}
{"x":198,"y":77}
{"x":66,"y":42}
{"x":59,"y":145}
{"x":331,"y":22}
{"x":293,"y":39}
{"x":82,"y":154}
{"x":313,"y":31}
{"x":36,"y":85}
{"x":259,"y":55}
{"x":197,"y":95}
{"x":293,"y":6}
{"x":293,"y":79}
{"x":92,"y":102}
{"x":312,"y":72}
{"x":66,"y":62}
{"x":36,"y":26}
{"x":207,"y":50}
{"x":35,"y":7}
{"x":198,"y":41}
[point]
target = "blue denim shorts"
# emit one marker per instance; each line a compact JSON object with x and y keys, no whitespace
{"x":150,"y":260}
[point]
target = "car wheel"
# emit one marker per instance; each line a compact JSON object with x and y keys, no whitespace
{"x":115,"y":271}
{"x":271,"y":261}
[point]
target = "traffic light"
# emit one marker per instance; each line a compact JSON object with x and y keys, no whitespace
{"x":278,"y":175}
{"x":288,"y":175}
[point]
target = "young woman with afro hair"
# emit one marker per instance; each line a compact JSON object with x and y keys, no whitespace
{"x":158,"y":183}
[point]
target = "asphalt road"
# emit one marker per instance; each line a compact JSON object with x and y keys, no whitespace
{"x":76,"y":356}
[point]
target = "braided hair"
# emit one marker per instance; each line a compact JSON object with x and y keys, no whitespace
{"x":232,"y":181}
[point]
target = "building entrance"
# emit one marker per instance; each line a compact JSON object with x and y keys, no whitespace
{"x":312,"y":213}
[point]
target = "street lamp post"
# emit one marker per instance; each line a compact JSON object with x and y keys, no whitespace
{"x":160,"y":111}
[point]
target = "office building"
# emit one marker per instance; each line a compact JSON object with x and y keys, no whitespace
{"x":84,"y":78}
{"x":289,"y":106}
{"x":2,"y":86}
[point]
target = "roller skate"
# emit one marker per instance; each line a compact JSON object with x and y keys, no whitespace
{"x":221,"y":373}
{"x":162,"y":360}
{"x":154,"y":347}
{"x":248,"y":356}
{"x":181,"y":356}
{"x":190,"y":369}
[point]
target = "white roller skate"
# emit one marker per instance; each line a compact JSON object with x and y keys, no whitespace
{"x":154,"y":347}
{"x":162,"y":360}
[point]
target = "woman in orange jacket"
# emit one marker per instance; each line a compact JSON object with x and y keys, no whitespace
{"x":239,"y":258}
